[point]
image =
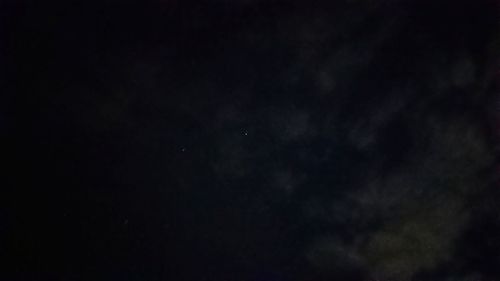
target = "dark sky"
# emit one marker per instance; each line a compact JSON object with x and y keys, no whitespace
{"x":249,"y":140}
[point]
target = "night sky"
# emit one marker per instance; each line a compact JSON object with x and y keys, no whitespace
{"x":250,"y":140}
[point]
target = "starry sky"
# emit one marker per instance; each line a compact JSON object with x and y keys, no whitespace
{"x":250,"y":140}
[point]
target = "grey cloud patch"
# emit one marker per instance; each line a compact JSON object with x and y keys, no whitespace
{"x":291,"y":124}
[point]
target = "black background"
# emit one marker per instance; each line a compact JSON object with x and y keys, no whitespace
{"x":142,"y":139}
